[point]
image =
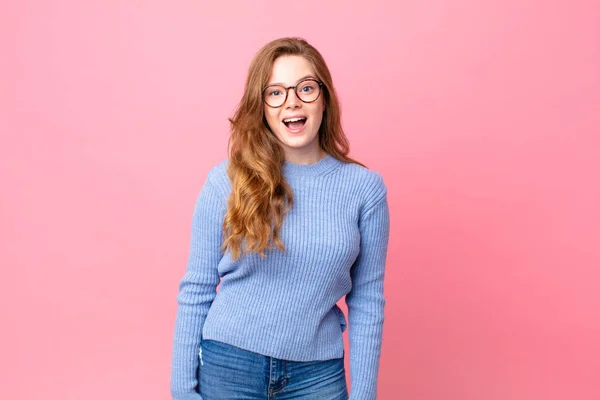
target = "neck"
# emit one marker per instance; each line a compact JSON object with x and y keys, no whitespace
{"x":306,"y":159}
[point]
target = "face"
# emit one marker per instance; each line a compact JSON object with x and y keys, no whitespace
{"x":299,"y":139}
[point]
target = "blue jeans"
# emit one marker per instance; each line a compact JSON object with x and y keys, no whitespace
{"x":230,"y":373}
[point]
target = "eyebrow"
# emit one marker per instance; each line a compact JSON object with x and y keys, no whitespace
{"x":301,"y":79}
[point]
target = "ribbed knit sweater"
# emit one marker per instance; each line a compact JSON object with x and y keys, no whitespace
{"x":284,"y":306}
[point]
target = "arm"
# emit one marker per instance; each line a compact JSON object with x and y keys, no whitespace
{"x":366,"y":301}
{"x":197,"y":289}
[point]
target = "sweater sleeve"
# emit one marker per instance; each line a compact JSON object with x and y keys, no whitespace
{"x":366,"y":300}
{"x":197,"y":289}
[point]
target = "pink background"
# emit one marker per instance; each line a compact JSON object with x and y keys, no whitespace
{"x":483,"y":117}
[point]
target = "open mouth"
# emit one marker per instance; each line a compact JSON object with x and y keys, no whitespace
{"x":295,"y":124}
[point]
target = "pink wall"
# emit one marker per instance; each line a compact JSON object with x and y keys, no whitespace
{"x":484,"y":118}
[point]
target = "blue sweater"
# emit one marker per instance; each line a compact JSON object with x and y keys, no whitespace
{"x":284,"y":305}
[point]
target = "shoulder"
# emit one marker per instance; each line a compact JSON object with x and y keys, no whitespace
{"x":365,"y":175}
{"x":217,"y":177}
{"x":368,"y":183}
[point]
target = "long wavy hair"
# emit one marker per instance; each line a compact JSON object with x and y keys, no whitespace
{"x":260,"y":196}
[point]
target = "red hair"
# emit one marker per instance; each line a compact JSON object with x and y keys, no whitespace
{"x":260,"y":196}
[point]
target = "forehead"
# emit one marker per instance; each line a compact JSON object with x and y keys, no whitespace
{"x":289,"y":69}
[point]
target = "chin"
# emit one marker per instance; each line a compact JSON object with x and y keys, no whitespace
{"x":297,"y":141}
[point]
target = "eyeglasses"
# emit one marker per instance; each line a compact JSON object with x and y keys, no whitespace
{"x":307,"y":90}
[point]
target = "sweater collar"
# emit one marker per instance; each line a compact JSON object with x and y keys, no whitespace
{"x":328,"y":163}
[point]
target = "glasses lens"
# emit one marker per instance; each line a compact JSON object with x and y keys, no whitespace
{"x":274,"y":95}
{"x":308,"y":90}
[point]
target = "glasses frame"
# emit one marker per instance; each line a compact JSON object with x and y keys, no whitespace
{"x":286,"y":89}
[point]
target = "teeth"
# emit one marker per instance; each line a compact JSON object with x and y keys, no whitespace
{"x":293,"y":119}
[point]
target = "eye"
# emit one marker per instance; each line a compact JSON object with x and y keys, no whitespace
{"x":275,"y":91}
{"x":308,"y":87}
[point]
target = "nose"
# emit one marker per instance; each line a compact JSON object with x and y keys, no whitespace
{"x":292,"y":99}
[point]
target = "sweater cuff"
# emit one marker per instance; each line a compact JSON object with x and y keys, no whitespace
{"x":187,"y":396}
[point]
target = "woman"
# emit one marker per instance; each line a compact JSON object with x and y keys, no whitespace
{"x":287,"y":225}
